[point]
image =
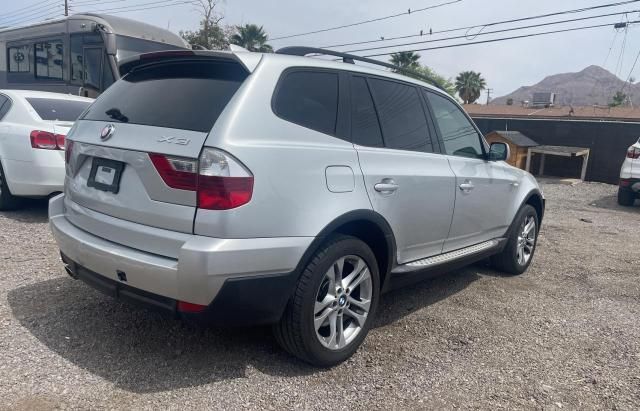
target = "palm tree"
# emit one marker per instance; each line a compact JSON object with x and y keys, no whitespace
{"x":406,"y":60}
{"x":252,"y":38}
{"x":469,"y":86}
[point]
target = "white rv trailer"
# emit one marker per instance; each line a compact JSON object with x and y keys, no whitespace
{"x":79,"y":54}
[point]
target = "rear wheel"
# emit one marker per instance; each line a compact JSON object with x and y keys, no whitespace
{"x":334,"y":303}
{"x":7,"y":200}
{"x":626,"y":197}
{"x":521,"y":243}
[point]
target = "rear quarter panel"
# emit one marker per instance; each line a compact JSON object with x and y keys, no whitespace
{"x":288,"y":161}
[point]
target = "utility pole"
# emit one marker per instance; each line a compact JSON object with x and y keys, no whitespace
{"x":489,"y":90}
{"x":66,"y":7}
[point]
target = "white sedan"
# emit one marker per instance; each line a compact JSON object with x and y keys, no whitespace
{"x":33,"y":126}
{"x":629,"y":186}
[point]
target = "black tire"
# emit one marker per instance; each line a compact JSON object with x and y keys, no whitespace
{"x":296,"y":332}
{"x":7,"y":200}
{"x":626,"y":197}
{"x":507,"y":260}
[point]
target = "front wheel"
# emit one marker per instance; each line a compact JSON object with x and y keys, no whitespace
{"x":334,"y":303}
{"x":521,"y":243}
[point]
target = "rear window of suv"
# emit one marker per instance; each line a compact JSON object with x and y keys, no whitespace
{"x":52,"y":109}
{"x":187,"y":95}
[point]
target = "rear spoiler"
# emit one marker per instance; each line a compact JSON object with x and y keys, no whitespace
{"x":247,"y":59}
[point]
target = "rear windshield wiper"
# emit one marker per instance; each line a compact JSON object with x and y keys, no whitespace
{"x":115,"y":114}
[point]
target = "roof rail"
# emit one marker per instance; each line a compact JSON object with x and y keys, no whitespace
{"x":351,"y":59}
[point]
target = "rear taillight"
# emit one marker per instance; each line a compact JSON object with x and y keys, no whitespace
{"x":68,"y":150}
{"x":220,"y":181}
{"x":47,"y":141}
{"x":177,"y":172}
{"x":633,"y":152}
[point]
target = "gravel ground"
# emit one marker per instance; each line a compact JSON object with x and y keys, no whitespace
{"x":564,"y":335}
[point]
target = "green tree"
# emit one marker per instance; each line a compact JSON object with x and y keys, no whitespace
{"x":469,"y":86}
{"x":422,"y":72}
{"x":618,"y":99}
{"x":406,"y":60}
{"x":252,"y":37}
{"x":211,"y":34}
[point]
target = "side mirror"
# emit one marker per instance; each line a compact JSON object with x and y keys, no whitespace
{"x":499,"y":152}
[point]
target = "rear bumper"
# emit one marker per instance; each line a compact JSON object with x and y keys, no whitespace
{"x":35,"y":179}
{"x":631,"y":184}
{"x":250,"y":278}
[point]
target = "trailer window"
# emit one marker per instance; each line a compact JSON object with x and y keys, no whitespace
{"x":20,"y":59}
{"x":49,"y":55}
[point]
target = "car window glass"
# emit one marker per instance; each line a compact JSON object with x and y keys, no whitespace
{"x":58,"y":109}
{"x":404,"y":125}
{"x":458,"y":133}
{"x":309,"y":99}
{"x":92,"y":67}
{"x":182,"y":95}
{"x":365,"y":129}
{"x":49,"y":55}
{"x":4,"y":106}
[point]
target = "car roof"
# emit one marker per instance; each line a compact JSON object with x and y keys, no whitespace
{"x":250,"y":61}
{"x":43,"y":94}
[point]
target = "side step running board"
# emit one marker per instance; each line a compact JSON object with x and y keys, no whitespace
{"x":449,"y":257}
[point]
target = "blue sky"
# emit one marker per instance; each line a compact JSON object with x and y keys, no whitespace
{"x":505,"y":65}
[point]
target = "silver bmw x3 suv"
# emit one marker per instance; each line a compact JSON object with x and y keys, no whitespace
{"x":247,"y":188}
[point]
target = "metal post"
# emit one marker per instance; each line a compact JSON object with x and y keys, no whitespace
{"x":528,"y":166}
{"x":542,"y":164}
{"x":66,"y":7}
{"x":585,"y":162}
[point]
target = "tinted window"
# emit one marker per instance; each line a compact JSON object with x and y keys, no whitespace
{"x":184,"y":95}
{"x":365,"y":129}
{"x":20,"y":59}
{"x":58,"y":109}
{"x":5,"y":103}
{"x":49,"y":55}
{"x":458,"y":133}
{"x":404,"y":125}
{"x":309,"y":99}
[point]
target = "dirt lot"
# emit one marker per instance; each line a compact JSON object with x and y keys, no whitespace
{"x":564,"y":335}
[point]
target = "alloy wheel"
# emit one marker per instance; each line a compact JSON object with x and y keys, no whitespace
{"x":343,"y":302}
{"x":526,"y":240}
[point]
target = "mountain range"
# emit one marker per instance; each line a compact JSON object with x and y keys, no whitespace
{"x":591,"y":86}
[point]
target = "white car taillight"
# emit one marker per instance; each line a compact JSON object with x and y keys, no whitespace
{"x":220,"y":181}
{"x":46,"y":140}
{"x":633,"y":152}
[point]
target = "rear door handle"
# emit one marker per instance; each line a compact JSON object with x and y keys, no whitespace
{"x":386,"y":186}
{"x":467,"y":186}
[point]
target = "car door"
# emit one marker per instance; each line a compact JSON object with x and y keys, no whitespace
{"x":408,"y":184}
{"x":483,"y":188}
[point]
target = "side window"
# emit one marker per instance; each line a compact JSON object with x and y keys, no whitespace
{"x":404,"y":125}
{"x":5,"y":103}
{"x":365,"y":129}
{"x":310,"y":99}
{"x":76,"y":59}
{"x":458,"y":133}
{"x":20,"y":59}
{"x":49,"y":57}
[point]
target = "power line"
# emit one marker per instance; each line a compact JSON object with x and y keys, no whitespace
{"x":153,"y":4}
{"x":133,"y":7}
{"x":482,"y":26}
{"x":34,"y":15}
{"x":25,"y":9}
{"x":90,"y":2}
{"x":493,"y":32}
{"x":502,"y":39}
{"x":408,"y":12}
